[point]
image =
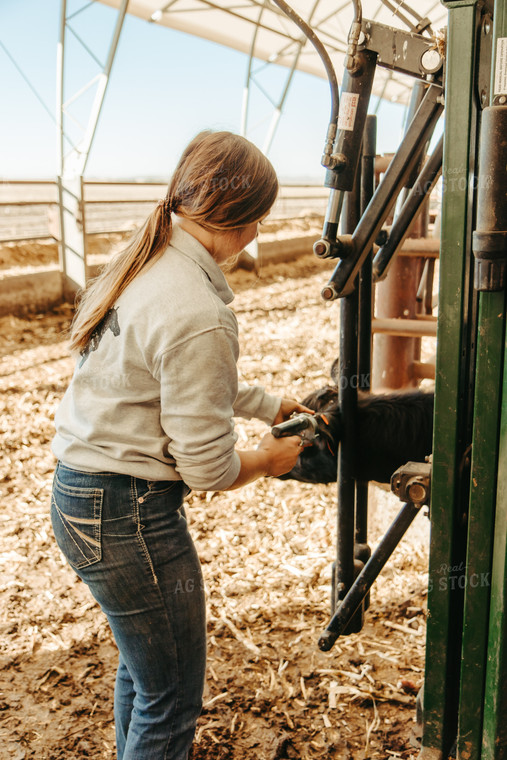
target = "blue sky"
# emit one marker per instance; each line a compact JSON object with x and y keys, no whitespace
{"x":165,"y":86}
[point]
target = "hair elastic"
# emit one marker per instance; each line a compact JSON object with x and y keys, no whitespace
{"x":167,"y":204}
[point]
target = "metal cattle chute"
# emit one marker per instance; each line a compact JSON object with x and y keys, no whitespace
{"x":465,"y":700}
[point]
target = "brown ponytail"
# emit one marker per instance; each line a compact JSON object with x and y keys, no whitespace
{"x":222,"y":182}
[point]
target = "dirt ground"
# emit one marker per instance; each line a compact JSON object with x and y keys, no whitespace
{"x":266,"y":552}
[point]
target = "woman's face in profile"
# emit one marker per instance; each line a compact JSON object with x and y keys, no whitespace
{"x":234,"y":241}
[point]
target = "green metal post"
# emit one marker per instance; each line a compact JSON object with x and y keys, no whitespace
{"x":452,"y":429}
{"x":494,"y":738}
{"x":476,"y":577}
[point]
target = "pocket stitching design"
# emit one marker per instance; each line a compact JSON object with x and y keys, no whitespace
{"x":77,"y":490}
{"x":97,"y":552}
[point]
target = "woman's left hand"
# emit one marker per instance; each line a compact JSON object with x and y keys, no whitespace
{"x":288,"y":407}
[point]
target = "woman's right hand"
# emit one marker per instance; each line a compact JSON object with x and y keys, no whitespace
{"x":280,"y":453}
{"x":273,"y":456}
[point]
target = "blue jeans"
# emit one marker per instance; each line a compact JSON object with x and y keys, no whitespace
{"x":127,"y":539}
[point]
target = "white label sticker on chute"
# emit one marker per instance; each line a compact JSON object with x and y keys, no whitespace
{"x":348,"y":110}
{"x":501,"y":66}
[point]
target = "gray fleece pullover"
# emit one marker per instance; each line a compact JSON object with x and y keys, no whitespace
{"x":155,"y":392}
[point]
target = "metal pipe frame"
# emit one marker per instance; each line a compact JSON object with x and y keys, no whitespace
{"x":455,"y":363}
{"x":482,"y":707}
{"x":72,"y":164}
{"x":42,"y":228}
{"x":418,"y":194}
{"x":354,"y":250}
{"x":369,"y":573}
{"x":406,"y":328}
{"x":298,"y":46}
{"x":344,"y":570}
{"x":365,"y":316}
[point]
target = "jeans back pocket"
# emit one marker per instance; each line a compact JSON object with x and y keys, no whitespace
{"x":76,"y":515}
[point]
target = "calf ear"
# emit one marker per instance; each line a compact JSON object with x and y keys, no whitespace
{"x":322,"y":399}
{"x":335,"y":371}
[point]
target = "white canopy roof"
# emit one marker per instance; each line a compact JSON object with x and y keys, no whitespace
{"x":260,"y":26}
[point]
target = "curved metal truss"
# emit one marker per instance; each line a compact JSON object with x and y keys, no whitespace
{"x":256,"y":27}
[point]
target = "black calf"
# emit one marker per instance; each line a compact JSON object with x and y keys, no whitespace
{"x":392,"y":429}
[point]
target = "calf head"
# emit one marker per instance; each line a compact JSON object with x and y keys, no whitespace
{"x":317,"y":463}
{"x":391,"y":429}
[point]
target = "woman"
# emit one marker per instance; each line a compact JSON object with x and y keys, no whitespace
{"x":149,"y":415}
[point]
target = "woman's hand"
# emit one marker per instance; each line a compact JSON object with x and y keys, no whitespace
{"x":288,"y":407}
{"x":273,"y":456}
{"x":279,"y":454}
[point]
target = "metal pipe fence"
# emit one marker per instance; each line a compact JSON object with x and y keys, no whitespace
{"x":28,"y":208}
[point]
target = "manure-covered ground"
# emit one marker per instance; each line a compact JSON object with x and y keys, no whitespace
{"x":266,"y":552}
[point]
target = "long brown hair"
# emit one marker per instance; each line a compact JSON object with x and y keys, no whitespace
{"x":222,"y":182}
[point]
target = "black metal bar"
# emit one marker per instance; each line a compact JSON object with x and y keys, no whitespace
{"x":344,"y":569}
{"x":365,"y":277}
{"x":415,"y":199}
{"x":364,"y":319}
{"x":355,"y":250}
{"x":368,"y":575}
{"x":416,"y":98}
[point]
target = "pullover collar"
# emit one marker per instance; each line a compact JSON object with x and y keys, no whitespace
{"x":189,"y":246}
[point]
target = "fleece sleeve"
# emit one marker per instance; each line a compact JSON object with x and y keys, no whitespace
{"x":199,"y":383}
{"x":253,"y":401}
